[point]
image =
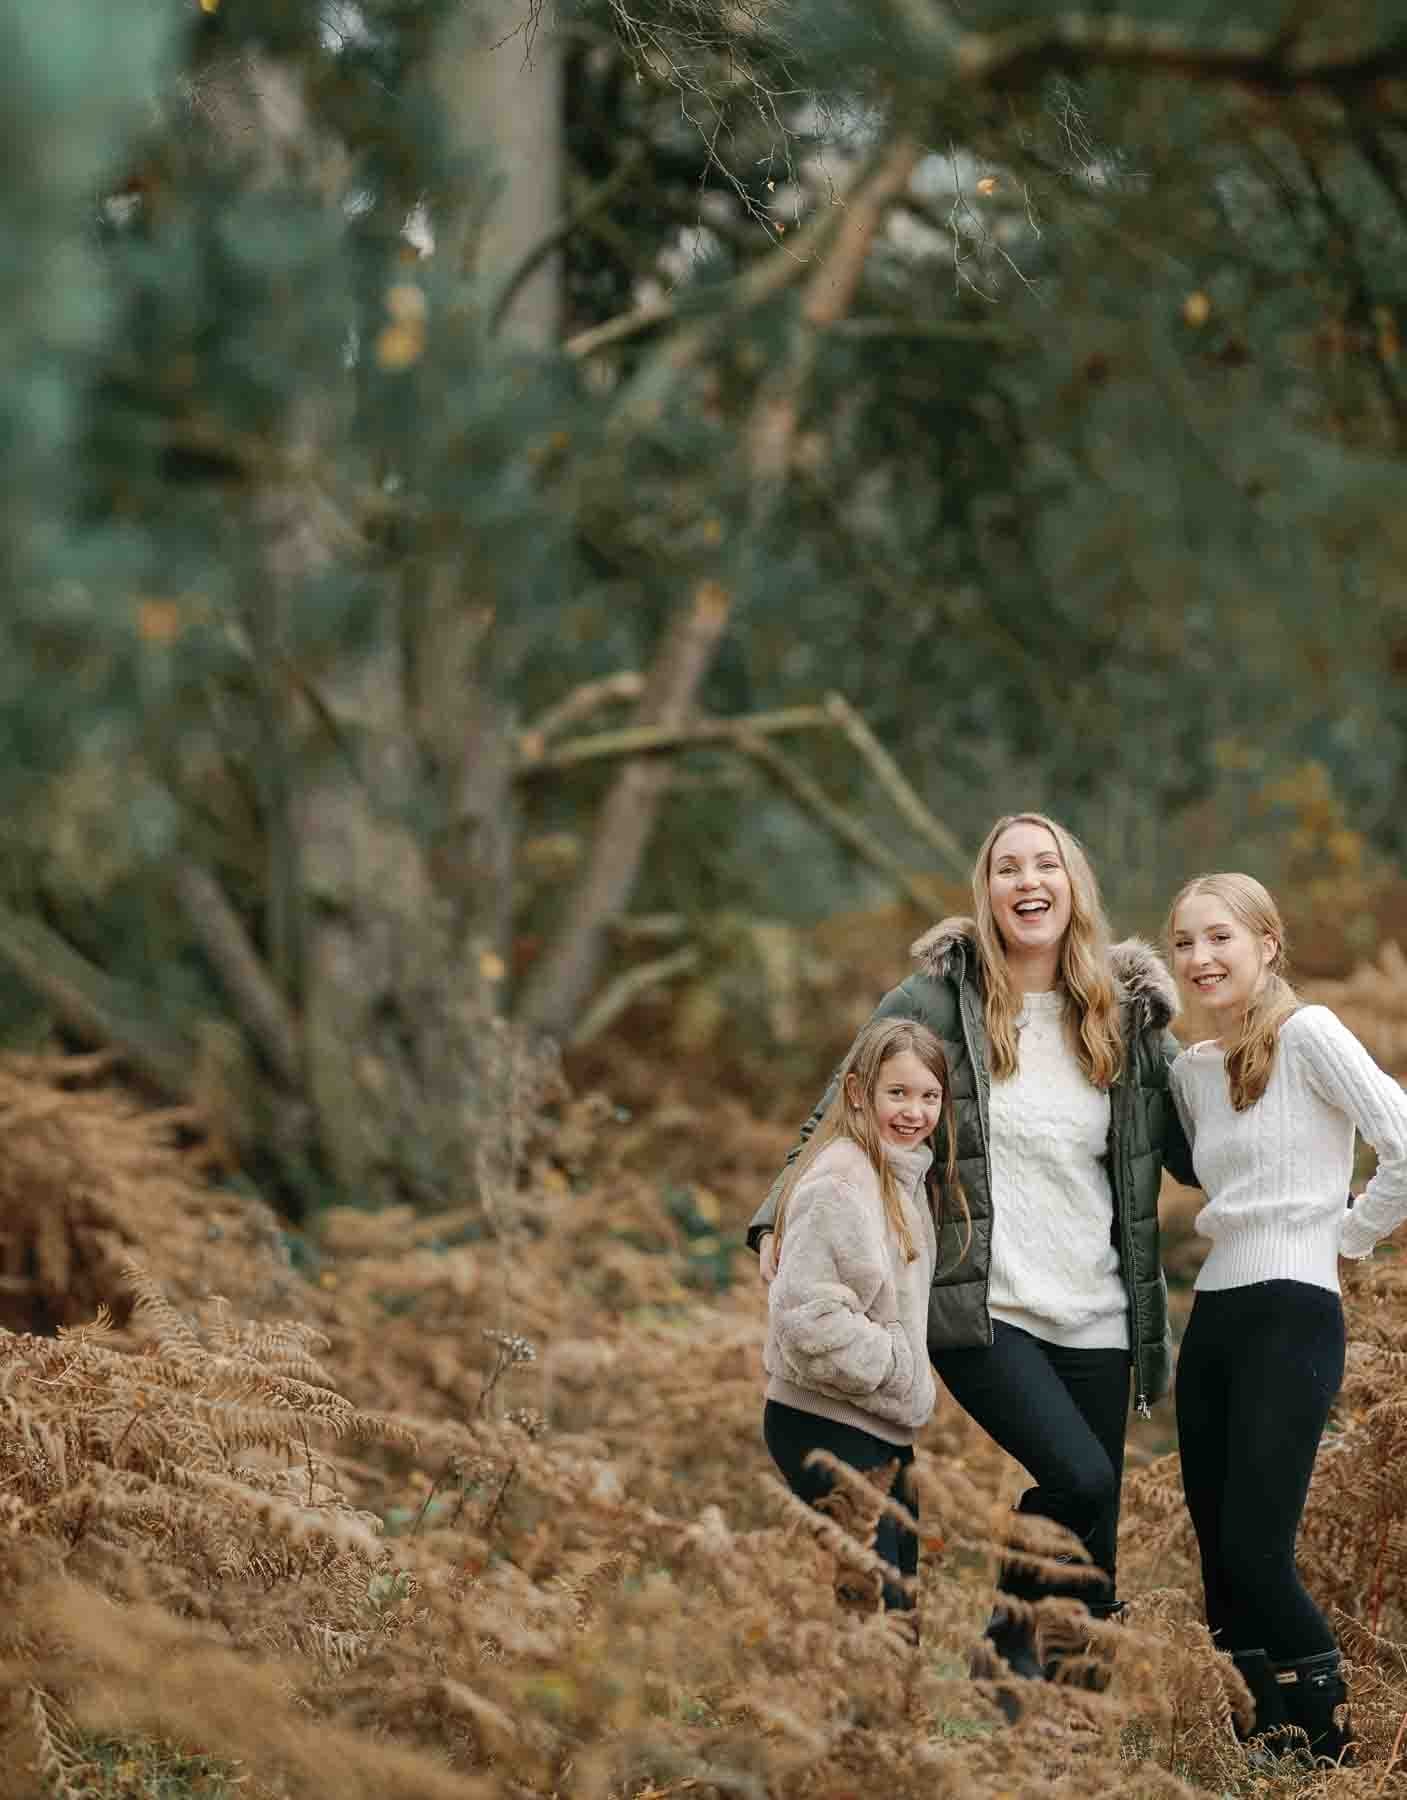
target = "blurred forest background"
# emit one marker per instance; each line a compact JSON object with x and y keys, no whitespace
{"x":535,"y":542}
{"x":891,"y":413}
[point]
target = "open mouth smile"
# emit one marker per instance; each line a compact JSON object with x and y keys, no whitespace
{"x":1205,"y":983}
{"x":1031,"y":909}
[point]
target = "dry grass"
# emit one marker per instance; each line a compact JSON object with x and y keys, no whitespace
{"x":490,"y":1515}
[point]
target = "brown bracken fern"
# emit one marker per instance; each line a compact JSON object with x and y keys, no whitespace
{"x":446,"y":1520}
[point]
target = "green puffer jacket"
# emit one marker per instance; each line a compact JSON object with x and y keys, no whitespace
{"x":1144,"y":1133}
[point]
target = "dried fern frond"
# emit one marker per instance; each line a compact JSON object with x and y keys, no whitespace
{"x":53,"y":1758}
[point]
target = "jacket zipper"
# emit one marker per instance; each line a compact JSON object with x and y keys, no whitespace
{"x":1141,"y":1406}
{"x":966,"y":993}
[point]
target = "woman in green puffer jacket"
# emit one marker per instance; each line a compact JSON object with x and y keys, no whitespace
{"x":1049,"y":1289}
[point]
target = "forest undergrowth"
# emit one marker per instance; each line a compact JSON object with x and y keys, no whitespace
{"x":420,"y":1509}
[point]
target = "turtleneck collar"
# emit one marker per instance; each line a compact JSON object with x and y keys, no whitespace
{"x":909,"y":1165}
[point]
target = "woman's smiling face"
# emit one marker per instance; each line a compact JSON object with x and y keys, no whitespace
{"x":1029,"y":888}
{"x":1218,"y":961}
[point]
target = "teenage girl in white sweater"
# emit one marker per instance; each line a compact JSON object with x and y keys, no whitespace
{"x":1269,"y":1098}
{"x":847,"y":1357}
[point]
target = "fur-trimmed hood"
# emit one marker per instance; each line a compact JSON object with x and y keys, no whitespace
{"x":946,"y":951}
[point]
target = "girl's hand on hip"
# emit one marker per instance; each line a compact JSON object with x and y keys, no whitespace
{"x":767,"y":1258}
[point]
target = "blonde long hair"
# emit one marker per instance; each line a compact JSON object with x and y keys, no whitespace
{"x":1251,"y":1058}
{"x":1091,"y":996}
{"x":881,"y":1039}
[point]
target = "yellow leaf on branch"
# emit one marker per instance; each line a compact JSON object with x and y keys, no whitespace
{"x":158,"y":621}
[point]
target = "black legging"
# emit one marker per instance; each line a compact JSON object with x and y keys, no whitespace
{"x":1257,"y":1373}
{"x":1061,"y":1413}
{"x":792,"y":1435}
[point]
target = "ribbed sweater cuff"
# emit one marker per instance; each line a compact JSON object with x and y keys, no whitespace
{"x":1309,"y":1254}
{"x":1356,"y":1237}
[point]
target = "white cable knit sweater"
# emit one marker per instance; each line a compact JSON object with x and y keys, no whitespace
{"x":848,"y":1317}
{"x":1276,"y":1176}
{"x":1054,"y":1268}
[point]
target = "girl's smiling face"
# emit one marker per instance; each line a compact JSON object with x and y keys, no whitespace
{"x":1219,"y":962}
{"x":1029,"y":889}
{"x":907,"y":1099}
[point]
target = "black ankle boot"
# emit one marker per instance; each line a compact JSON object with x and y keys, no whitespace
{"x":1272,"y":1714}
{"x":1313,"y":1690}
{"x":1013,"y":1641}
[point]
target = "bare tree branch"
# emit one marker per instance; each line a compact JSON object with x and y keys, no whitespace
{"x":241,"y":970}
{"x":840,"y":823}
{"x":562,"y":981}
{"x":615,"y":331}
{"x":580,"y":703}
{"x":595,"y":201}
{"x":1279,"y":57}
{"x":646,"y":740}
{"x":894,"y":782}
{"x":627,"y":988}
{"x":94,"y":1008}
{"x":768,"y":278}
{"x":830,"y":293}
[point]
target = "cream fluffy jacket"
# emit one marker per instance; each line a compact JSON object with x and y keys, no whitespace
{"x":848,"y":1327}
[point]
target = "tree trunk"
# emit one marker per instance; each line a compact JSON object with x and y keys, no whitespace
{"x":500,"y":77}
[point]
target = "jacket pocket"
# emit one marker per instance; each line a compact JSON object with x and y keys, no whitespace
{"x":900,"y":1384}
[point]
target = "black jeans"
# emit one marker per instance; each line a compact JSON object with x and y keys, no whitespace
{"x":1257,"y":1373}
{"x":792,"y":1434}
{"x":1061,"y":1413}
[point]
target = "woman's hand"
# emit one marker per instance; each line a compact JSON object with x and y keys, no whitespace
{"x":767,"y":1257}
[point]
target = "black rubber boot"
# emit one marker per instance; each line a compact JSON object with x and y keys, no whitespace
{"x":1313,"y":1691}
{"x":1272,"y":1713}
{"x":1013,"y":1641}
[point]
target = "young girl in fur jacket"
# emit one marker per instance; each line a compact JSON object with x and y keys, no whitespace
{"x":847,"y":1357}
